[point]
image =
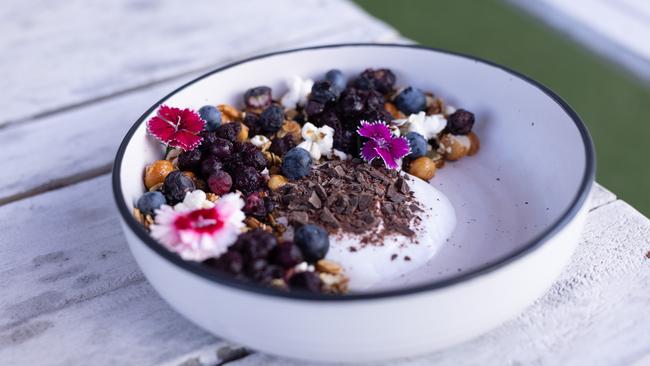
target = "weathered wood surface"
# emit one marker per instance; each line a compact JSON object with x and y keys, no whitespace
{"x":80,"y":143}
{"x":70,"y":292}
{"x":70,"y":53}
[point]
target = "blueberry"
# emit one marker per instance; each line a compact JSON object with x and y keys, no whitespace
{"x":212,"y":117}
{"x":176,"y":185}
{"x":190,"y":160}
{"x":313,"y":242}
{"x":220,"y":182}
{"x":252,"y":121}
{"x":150,"y":201}
{"x":258,"y":97}
{"x":411,"y":100}
{"x":296,"y":163}
{"x":323,"y":92}
{"x":272,"y":118}
{"x":417,"y":143}
{"x":220,"y":148}
{"x":336,"y":78}
{"x":305,"y":281}
{"x":460,"y":122}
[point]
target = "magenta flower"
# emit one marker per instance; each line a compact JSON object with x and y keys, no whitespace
{"x":382,"y":144}
{"x":176,"y":127}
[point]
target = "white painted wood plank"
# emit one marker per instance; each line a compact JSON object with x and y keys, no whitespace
{"x":71,"y":294}
{"x":595,"y":314}
{"x":70,"y":146}
{"x":68,"y":53}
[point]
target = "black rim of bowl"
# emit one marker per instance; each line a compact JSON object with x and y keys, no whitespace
{"x":227,"y":280}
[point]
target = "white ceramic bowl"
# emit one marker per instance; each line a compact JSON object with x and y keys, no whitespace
{"x":520,"y":205}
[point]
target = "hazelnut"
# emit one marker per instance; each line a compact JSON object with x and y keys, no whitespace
{"x":423,"y":168}
{"x":229,"y":113}
{"x":156,"y":172}
{"x":390,"y":107}
{"x":243,"y":133}
{"x":475,"y":144}
{"x":454,"y":147}
{"x":276,"y":181}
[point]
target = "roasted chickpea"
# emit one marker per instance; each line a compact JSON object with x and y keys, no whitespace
{"x":423,"y":168}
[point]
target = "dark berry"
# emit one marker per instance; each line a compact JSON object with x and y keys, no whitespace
{"x":220,"y":148}
{"x":255,"y":244}
{"x":313,"y":108}
{"x":323,"y":92}
{"x":313,"y":242}
{"x":210,"y":166}
{"x":220,"y":182}
{"x":229,"y":131}
{"x":305,"y":281}
{"x":190,"y":160}
{"x":150,"y":201}
{"x":378,"y":115}
{"x":381,"y":80}
{"x":176,"y":185}
{"x":251,"y":155}
{"x":230,"y":262}
{"x":296,"y":163}
{"x":351,"y":103}
{"x":254,"y":205}
{"x":373,"y":100}
{"x":258,"y":97}
{"x":336,"y":78}
{"x":280,"y":145}
{"x":247,"y":179}
{"x":209,"y":137}
{"x":411,"y":100}
{"x":286,"y":255}
{"x":272,"y":118}
{"x":252,"y":121}
{"x":460,"y":122}
{"x":268,"y":274}
{"x":417,"y":143}
{"x":212,"y":117}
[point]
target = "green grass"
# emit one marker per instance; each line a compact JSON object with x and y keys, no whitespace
{"x":612,"y":102}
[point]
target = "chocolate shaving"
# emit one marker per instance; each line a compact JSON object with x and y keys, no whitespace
{"x":350,"y":197}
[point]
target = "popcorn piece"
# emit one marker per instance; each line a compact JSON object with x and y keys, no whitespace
{"x":299,"y":89}
{"x":261,"y":142}
{"x":194,"y":200}
{"x":339,"y":154}
{"x":318,"y":141}
{"x":427,"y":126}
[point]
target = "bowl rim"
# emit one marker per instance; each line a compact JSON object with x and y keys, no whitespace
{"x":530,"y":246}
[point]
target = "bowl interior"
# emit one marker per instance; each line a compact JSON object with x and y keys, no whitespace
{"x":529,"y":171}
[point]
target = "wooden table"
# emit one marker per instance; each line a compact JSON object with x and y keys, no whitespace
{"x":75,"y":76}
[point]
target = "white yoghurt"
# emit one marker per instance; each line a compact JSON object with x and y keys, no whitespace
{"x":371,"y":264}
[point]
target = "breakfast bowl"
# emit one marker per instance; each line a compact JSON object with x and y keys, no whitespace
{"x":519,"y":206}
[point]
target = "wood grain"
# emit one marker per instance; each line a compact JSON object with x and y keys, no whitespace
{"x":75,"y":52}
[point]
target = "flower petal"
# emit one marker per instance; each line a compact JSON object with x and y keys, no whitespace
{"x":376,"y":130}
{"x":185,"y":140}
{"x":191,"y":121}
{"x":368,"y":151}
{"x":386,"y":156}
{"x":399,"y":147}
{"x":161,"y":129}
{"x":170,"y":114}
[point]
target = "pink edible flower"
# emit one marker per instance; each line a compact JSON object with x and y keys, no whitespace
{"x":176,"y":127}
{"x":203,"y":233}
{"x":382,"y":144}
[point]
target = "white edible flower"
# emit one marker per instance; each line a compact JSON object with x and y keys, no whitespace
{"x":194,"y":200}
{"x":318,"y":140}
{"x":427,"y":126}
{"x":299,"y":89}
{"x":260,"y":141}
{"x":265,"y":173}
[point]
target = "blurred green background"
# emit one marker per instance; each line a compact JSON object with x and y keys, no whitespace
{"x":613,"y":102}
